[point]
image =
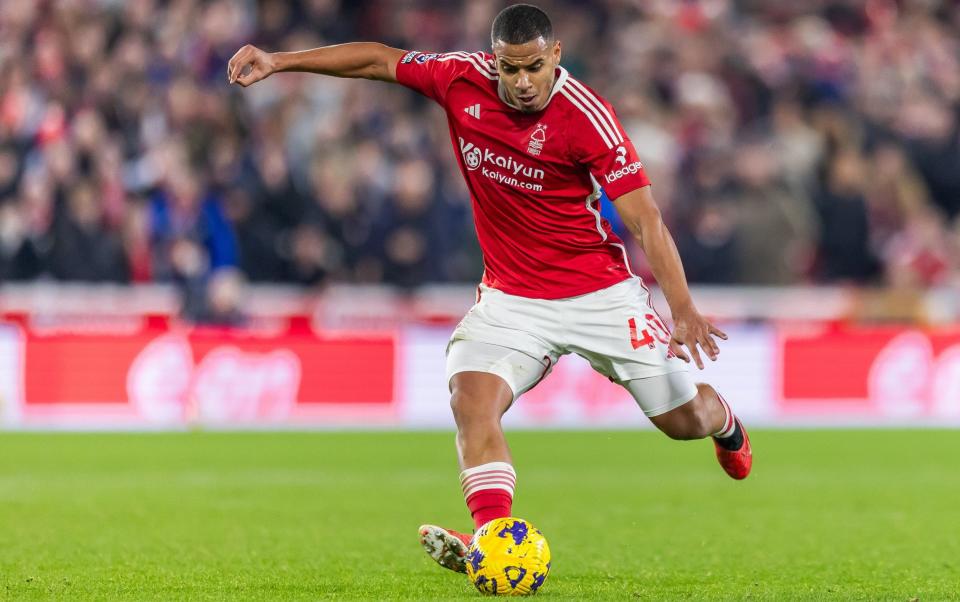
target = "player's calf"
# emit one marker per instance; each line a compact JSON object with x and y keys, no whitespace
{"x":700,"y":417}
{"x":708,"y":414}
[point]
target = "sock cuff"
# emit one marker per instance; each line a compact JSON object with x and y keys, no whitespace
{"x":492,"y":475}
{"x":486,"y":467}
{"x":729,"y":423}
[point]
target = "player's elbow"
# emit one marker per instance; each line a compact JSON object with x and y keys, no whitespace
{"x":371,"y":72}
{"x":383,"y":63}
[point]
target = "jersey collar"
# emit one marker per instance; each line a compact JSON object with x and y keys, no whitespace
{"x":557,"y":85}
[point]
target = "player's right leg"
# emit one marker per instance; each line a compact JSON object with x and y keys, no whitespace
{"x":629,"y":344}
{"x":705,"y":413}
{"x":484,"y":381}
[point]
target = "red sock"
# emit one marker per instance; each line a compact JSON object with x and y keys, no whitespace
{"x":489,"y":504}
{"x":488,"y":490}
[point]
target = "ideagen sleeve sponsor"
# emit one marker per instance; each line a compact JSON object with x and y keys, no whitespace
{"x":615,"y":175}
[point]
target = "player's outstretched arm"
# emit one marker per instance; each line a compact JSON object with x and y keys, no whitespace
{"x":368,"y":60}
{"x":642,"y":217}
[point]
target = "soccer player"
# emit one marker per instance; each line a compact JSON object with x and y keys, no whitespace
{"x":534,"y":146}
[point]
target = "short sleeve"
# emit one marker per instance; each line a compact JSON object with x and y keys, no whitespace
{"x":428,"y":73}
{"x":599,"y":142}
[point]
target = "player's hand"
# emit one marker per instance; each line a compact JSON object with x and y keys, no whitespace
{"x":690,"y":329}
{"x":249,"y":65}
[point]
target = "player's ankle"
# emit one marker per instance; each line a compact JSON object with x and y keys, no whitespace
{"x":732,"y":441}
{"x":730,"y":435}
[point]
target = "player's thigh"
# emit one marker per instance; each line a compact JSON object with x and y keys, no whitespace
{"x":507,"y":336}
{"x":518,"y":323}
{"x":470,"y":364}
{"x":658,"y":395}
{"x":617,"y":331}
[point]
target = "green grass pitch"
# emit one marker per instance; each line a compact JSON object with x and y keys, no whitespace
{"x":827,"y":515}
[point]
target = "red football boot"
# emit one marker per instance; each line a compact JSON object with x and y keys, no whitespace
{"x":446,"y":546}
{"x":736,"y":463}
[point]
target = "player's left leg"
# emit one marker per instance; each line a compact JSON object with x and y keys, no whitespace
{"x":705,"y":414}
{"x":478,"y":400}
{"x":484,"y":381}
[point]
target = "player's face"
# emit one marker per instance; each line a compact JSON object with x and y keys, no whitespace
{"x":527,"y":72}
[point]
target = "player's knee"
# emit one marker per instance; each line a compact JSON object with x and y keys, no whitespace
{"x":459,"y":404}
{"x":471,"y":408}
{"x":479,"y":398}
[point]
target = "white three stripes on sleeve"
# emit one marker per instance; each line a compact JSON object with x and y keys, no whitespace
{"x":476,"y":60}
{"x":591,"y":106}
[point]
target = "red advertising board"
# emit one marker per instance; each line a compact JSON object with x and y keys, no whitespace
{"x":156,"y":376}
{"x":176,"y":376}
{"x":878,"y":371}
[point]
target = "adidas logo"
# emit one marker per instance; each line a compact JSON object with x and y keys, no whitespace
{"x":473,"y":111}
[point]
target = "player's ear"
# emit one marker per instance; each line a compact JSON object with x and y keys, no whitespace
{"x":556,"y":52}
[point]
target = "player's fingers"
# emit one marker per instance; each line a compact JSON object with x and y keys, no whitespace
{"x":707,"y":347}
{"x":235,"y":66}
{"x":710,"y":346}
{"x":250,"y":77}
{"x":243,"y":67}
{"x":678,"y":351}
{"x":239,"y":61}
{"x":696,"y":355}
{"x":716,"y":331}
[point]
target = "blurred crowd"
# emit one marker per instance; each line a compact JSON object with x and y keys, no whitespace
{"x":813,"y":142}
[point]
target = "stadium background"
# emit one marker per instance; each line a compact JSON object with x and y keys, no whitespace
{"x":179,"y":255}
{"x":175,"y":251}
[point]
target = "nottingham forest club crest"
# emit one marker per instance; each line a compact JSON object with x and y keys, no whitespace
{"x":537,"y":138}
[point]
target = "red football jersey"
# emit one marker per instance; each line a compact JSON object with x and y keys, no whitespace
{"x":534,"y":178}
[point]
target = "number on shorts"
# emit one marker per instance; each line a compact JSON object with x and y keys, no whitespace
{"x":639,"y":342}
{"x":653,"y":323}
{"x":659,"y":330}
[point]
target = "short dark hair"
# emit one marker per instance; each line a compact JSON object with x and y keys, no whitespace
{"x":520,"y":23}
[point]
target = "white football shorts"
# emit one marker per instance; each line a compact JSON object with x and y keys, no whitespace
{"x":615,"y":329}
